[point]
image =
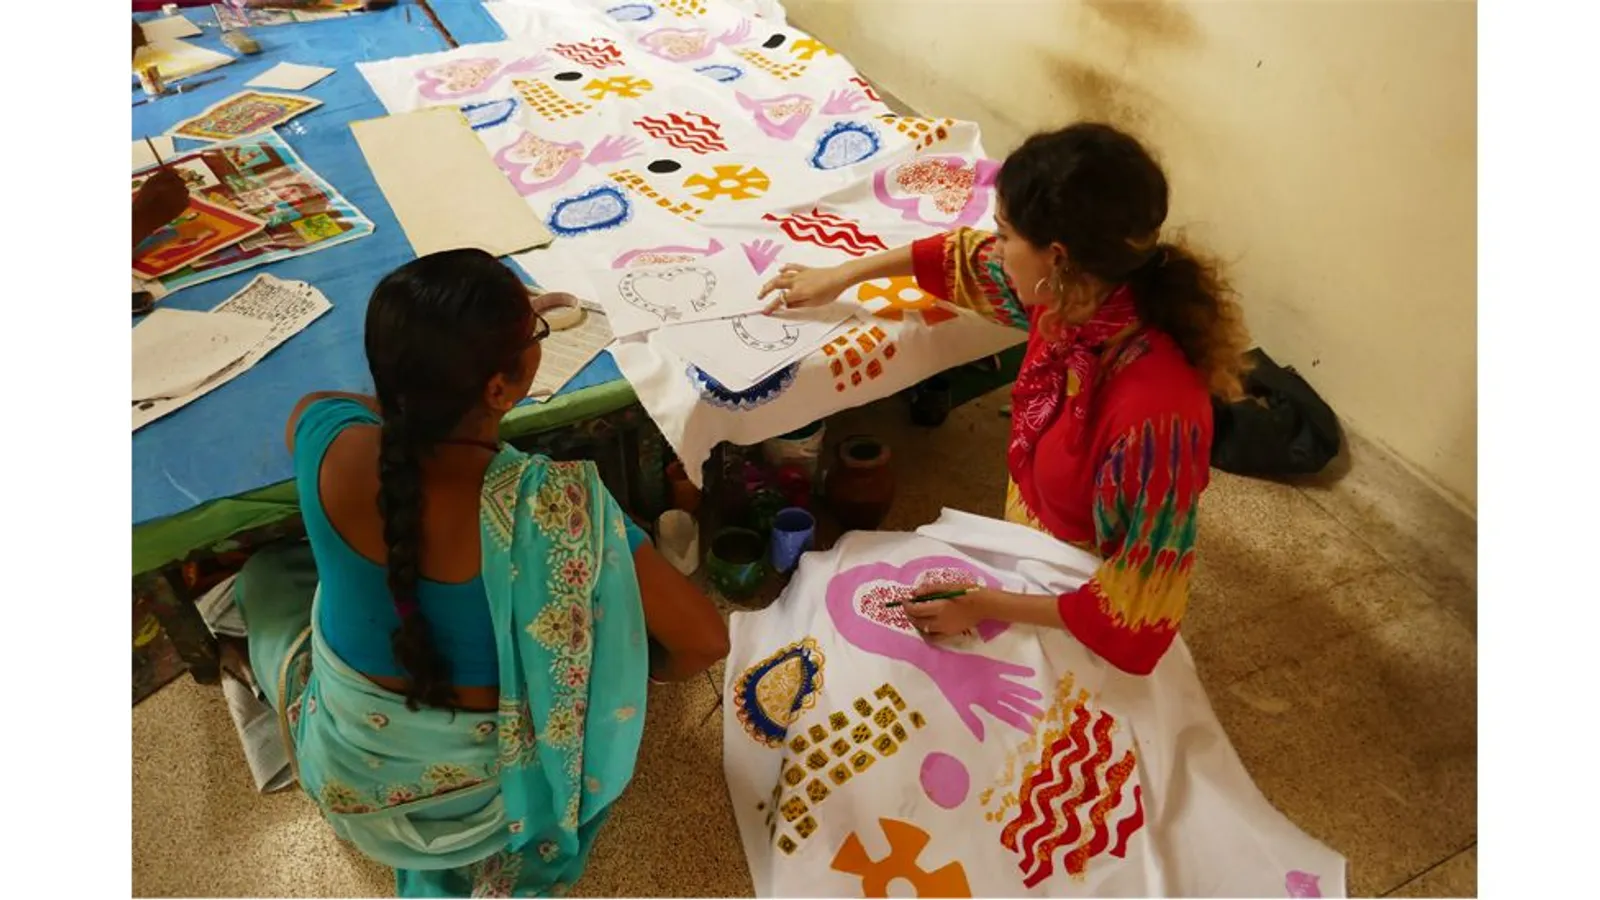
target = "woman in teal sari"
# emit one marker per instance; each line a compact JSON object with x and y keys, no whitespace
{"x":459,"y":658}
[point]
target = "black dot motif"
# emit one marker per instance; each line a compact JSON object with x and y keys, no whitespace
{"x":665,"y":166}
{"x":774,"y":42}
{"x":568,"y":76}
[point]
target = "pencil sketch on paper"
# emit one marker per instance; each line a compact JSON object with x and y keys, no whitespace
{"x":664,"y":293}
{"x":761,"y":332}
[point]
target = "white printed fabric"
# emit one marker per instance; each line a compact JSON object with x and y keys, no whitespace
{"x":683,"y":150}
{"x":1009,"y":763}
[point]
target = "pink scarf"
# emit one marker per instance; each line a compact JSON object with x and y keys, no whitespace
{"x":1067,"y":367}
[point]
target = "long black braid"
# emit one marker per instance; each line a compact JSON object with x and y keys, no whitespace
{"x":438,"y":329}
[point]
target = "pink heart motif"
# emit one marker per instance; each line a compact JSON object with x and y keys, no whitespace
{"x":874,"y":601}
{"x":959,"y":191}
{"x":465,"y":77}
{"x":968,"y":681}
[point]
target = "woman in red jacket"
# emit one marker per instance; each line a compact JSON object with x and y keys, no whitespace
{"x":1129,"y":337}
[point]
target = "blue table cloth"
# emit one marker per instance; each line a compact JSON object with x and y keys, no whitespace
{"x":230,"y":442}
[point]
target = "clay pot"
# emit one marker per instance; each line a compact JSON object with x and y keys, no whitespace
{"x":685,"y":495}
{"x":736,"y":563}
{"x":860,"y":484}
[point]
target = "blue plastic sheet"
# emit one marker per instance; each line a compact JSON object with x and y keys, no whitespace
{"x":231,"y":441}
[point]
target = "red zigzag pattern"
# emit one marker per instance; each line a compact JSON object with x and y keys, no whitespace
{"x":828,"y":230}
{"x":600,"y":54}
{"x":688,"y":131}
{"x":1048,"y":818}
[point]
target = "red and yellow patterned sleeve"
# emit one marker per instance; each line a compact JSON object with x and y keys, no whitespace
{"x":961,"y":267}
{"x":1145,"y":514}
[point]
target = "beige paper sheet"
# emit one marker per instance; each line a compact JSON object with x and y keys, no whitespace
{"x":170,"y":28}
{"x":443,"y":186}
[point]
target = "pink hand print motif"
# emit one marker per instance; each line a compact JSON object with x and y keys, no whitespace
{"x":534,"y":164}
{"x":465,"y":77}
{"x":845,"y":103}
{"x":690,"y":44}
{"x":969,"y":681}
{"x":761,"y":254}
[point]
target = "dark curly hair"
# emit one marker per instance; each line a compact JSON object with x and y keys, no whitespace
{"x":438,"y":328}
{"x":1098,"y":192}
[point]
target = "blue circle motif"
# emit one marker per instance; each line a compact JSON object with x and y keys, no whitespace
{"x":759,"y":394}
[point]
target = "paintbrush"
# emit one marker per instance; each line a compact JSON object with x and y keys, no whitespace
{"x":929,"y":598}
{"x":154,"y":154}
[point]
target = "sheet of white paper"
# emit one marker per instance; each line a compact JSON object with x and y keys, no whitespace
{"x":740,"y":352}
{"x":141,"y":151}
{"x":285,"y":308}
{"x":565,"y":353}
{"x":289,"y":77}
{"x":169,"y":28}
{"x":652,"y":296}
{"x":176,"y":351}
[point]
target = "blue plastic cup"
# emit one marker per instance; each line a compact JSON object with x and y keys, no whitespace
{"x":792,"y":532}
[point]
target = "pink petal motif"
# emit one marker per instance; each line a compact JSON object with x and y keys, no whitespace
{"x":534,"y":164}
{"x":779,"y":117}
{"x":762,"y":254}
{"x":960,"y":192}
{"x":844,"y":103}
{"x":465,"y":77}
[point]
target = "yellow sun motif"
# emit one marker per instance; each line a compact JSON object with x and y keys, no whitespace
{"x":622,"y":86}
{"x":808,"y":48}
{"x":733,"y":181}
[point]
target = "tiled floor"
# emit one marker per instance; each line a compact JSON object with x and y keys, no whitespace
{"x":1338,"y":647}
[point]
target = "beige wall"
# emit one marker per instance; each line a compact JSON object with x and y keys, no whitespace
{"x":1326,"y":148}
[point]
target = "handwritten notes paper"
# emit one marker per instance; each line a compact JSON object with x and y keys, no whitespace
{"x":164,"y":372}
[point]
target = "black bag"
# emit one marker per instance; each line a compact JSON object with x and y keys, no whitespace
{"x":1280,"y":428}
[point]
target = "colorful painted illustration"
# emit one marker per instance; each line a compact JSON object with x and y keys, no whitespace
{"x":262,"y":177}
{"x":243,"y":114}
{"x":203,"y":228}
{"x":773,"y":693}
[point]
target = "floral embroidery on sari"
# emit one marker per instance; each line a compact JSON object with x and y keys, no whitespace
{"x":496,"y":875}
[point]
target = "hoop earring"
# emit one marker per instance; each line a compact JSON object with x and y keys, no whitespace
{"x":1038,"y":287}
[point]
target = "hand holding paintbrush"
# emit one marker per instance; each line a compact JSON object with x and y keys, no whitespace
{"x":163,"y":197}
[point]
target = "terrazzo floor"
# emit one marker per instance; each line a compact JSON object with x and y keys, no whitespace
{"x":1334,"y":628}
